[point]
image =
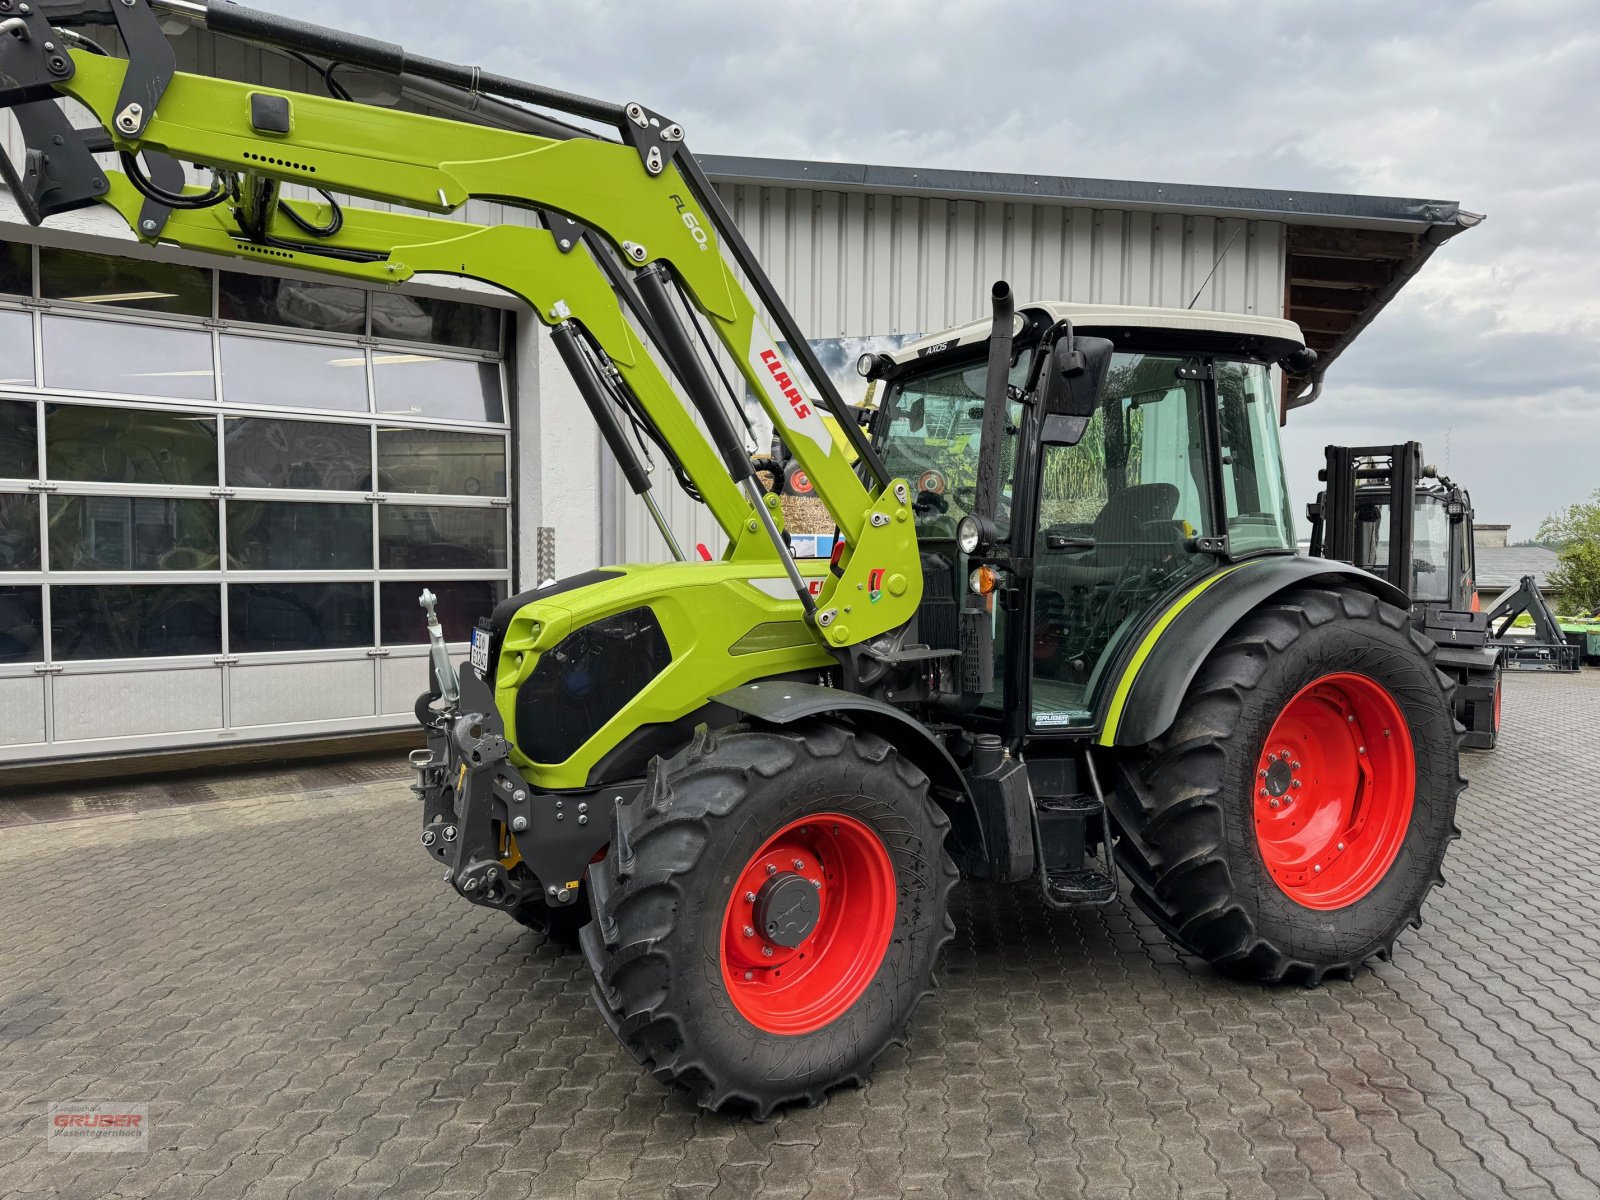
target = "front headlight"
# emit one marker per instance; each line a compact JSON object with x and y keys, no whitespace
{"x":968,"y":534}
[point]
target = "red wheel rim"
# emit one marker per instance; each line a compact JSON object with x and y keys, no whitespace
{"x":1334,"y":789}
{"x":797,"y":977}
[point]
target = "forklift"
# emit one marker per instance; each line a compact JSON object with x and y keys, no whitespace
{"x":1064,"y":641}
{"x":1382,"y":510}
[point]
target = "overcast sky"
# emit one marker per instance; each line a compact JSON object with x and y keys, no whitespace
{"x":1491,"y":357}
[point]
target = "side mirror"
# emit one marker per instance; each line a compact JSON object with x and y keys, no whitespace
{"x":1072,"y":384}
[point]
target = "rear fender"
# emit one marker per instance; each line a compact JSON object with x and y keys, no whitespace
{"x":1157,"y":675}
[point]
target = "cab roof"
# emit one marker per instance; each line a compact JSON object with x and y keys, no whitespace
{"x":1268,"y":338}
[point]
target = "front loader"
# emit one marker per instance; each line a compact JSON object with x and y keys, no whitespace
{"x":1064,"y":642}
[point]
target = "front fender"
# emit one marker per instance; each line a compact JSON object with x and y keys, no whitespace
{"x":782,"y":702}
{"x":1156,"y":677}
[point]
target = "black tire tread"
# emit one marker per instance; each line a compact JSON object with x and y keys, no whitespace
{"x":666,"y":829}
{"x":1169,"y":810}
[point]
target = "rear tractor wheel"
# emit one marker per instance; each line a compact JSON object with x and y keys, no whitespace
{"x":1292,"y":821}
{"x":770,"y":913}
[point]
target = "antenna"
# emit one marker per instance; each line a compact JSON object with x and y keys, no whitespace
{"x":1238,"y":230}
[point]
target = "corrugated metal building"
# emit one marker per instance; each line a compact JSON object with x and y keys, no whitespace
{"x":221,"y":487}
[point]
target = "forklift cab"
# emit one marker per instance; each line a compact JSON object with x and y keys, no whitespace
{"x":1100,"y":518}
{"x":1385,"y":512}
{"x":1441,"y":544}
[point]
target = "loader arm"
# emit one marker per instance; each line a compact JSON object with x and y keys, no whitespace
{"x":644,"y":198}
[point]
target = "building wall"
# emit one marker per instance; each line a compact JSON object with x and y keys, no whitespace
{"x":852,"y":264}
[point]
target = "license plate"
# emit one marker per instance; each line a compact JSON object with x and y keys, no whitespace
{"x":480,"y":651}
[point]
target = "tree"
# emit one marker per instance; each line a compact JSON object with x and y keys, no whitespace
{"x":1575,"y":535}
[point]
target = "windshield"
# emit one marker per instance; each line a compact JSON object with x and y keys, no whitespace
{"x":930,"y":436}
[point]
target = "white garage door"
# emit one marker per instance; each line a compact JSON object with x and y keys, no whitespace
{"x":221,"y":493}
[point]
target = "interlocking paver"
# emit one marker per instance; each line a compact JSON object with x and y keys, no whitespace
{"x":269,"y":965}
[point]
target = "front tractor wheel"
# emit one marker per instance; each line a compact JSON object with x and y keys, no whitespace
{"x":1294,"y":818}
{"x":770,"y":913}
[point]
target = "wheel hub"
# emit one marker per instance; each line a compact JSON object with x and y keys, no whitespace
{"x":1280,"y":777}
{"x":786,"y":909}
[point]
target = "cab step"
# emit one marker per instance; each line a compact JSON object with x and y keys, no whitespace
{"x":1067,"y":877}
{"x":1075,"y":888}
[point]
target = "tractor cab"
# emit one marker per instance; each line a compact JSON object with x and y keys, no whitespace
{"x":1108,"y":501}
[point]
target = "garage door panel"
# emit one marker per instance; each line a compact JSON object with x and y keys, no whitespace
{"x":22,"y":700}
{"x":404,"y":679}
{"x":291,"y":693}
{"x":105,"y":704}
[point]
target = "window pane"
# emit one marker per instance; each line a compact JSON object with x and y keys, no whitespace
{"x":419,"y":385}
{"x":123,"y":282}
{"x":129,"y":445}
{"x":266,"y":535}
{"x":442,"y":322}
{"x":16,"y":268}
{"x":275,"y":374}
{"x":440,"y":462}
{"x":19,"y":440}
{"x":267,"y":452}
{"x":16,"y":349}
{"x":461,"y":603}
{"x":22,"y":625}
{"x":142,"y":621}
{"x":266,"y":301}
{"x":139,"y":360}
{"x":19,"y":533}
{"x":298,"y":616}
{"x":121,"y":533}
{"x":1254,"y":490}
{"x":459,"y":539}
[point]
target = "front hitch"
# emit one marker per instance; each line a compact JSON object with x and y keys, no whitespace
{"x":502,"y":842}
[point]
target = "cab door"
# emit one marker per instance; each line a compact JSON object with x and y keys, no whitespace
{"x":1118,"y":513}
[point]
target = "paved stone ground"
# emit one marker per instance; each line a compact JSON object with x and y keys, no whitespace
{"x":308,"y":1013}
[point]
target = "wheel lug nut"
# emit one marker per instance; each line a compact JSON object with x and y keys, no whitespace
{"x":771,"y":870}
{"x":799,"y":864}
{"x":1361,"y":749}
{"x":749,"y":897}
{"x":1294,"y":766}
{"x":1317,"y":869}
{"x":749,"y":975}
{"x":1294,"y":783}
{"x":1262,"y":774}
{"x":1341,"y":846}
{"x":1272,"y":803}
{"x":749,"y":932}
{"x":766,"y":951}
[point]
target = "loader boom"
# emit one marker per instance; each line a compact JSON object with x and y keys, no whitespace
{"x":645,"y":200}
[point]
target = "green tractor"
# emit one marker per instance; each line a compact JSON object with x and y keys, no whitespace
{"x":1065,"y":640}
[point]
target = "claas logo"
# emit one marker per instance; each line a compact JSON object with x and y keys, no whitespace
{"x":797,"y":402}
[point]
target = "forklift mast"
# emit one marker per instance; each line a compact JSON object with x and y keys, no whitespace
{"x":1336,"y":515}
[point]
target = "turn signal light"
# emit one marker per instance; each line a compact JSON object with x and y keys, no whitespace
{"x":983,"y":580}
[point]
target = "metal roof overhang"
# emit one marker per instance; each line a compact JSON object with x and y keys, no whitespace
{"x":1347,"y":255}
